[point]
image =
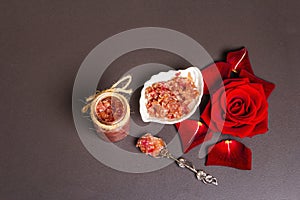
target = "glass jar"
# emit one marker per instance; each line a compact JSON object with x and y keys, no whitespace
{"x":110,"y":113}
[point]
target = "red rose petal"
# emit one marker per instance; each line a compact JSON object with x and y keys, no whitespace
{"x":268,"y":86}
{"x":192,"y":133}
{"x":260,"y":128}
{"x":213,"y":76}
{"x":230,"y":153}
{"x":206,"y":114}
{"x":240,"y":131}
{"x":218,"y":112}
{"x":203,"y":136}
{"x":234,"y":57}
{"x":234,"y":82}
{"x":247,"y":111}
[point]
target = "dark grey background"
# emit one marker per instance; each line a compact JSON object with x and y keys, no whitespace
{"x":43,"y":43}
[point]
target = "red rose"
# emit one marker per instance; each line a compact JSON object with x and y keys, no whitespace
{"x":240,"y":108}
{"x":238,"y":102}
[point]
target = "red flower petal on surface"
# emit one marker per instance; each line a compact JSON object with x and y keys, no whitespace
{"x":239,"y":60}
{"x":213,"y":76}
{"x":206,"y":114}
{"x":192,"y":133}
{"x":230,"y":153}
{"x":216,"y":72}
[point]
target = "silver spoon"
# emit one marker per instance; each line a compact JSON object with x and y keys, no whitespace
{"x":162,"y":152}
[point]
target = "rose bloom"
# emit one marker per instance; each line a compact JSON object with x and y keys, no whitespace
{"x":240,"y":108}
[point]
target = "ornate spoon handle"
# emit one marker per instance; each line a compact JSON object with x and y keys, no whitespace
{"x":183,"y":163}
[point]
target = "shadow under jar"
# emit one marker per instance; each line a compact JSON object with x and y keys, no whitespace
{"x":110,"y":115}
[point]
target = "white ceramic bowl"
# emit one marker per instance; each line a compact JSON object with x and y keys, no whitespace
{"x":165,"y":76}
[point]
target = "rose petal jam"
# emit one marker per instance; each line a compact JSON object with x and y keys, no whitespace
{"x":150,"y":145}
{"x":111,"y":116}
{"x":110,"y":110}
{"x":171,"y":99}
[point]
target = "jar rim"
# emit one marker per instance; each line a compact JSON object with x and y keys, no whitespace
{"x":118,"y":123}
{"x":102,"y":97}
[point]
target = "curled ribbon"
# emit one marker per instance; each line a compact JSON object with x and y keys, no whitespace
{"x":113,"y":88}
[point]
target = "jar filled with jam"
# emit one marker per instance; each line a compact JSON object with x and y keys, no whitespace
{"x":110,"y":113}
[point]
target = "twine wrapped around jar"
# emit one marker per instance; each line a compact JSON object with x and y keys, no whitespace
{"x":118,"y":129}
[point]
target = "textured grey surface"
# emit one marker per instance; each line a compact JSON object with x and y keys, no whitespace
{"x":42,"y":44}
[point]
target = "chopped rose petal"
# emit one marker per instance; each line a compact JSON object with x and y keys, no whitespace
{"x":178,"y":74}
{"x":109,"y":110}
{"x":230,"y":153}
{"x":150,"y":145}
{"x":171,"y":99}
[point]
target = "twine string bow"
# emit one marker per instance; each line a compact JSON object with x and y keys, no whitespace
{"x":113,"y":88}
